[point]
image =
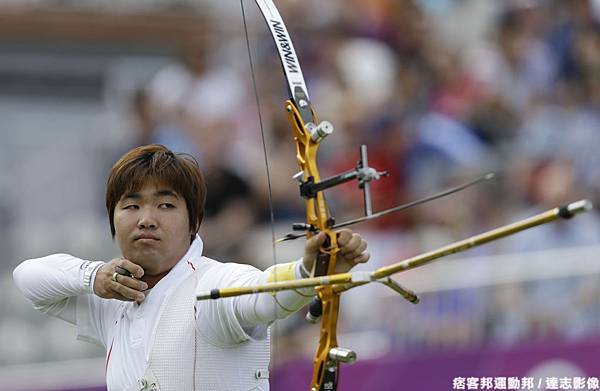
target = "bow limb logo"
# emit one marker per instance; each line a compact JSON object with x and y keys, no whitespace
{"x":283,"y":40}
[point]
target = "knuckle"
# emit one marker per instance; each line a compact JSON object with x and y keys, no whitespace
{"x":118,"y":288}
{"x":135,"y":284}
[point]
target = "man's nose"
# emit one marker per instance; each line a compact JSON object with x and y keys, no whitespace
{"x":147,"y":220}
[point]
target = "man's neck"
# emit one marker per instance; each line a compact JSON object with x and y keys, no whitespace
{"x":153,"y":279}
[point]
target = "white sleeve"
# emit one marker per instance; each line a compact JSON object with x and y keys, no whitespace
{"x":55,"y":285}
{"x":237,"y":319}
{"x":265,"y":308}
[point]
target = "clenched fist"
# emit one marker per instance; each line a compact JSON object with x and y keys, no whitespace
{"x":352,"y":250}
{"x":109,"y":285}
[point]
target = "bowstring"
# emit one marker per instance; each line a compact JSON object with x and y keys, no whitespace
{"x":268,"y":172}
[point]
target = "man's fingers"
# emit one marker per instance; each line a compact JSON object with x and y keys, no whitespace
{"x":358,"y":251}
{"x":122,"y":271}
{"x":362,"y":258}
{"x":314,"y":243}
{"x":352,"y":244}
{"x":127,"y":292}
{"x":352,"y":249}
{"x":135,"y":270}
{"x":110,"y":283}
{"x":344,"y":236}
{"x":132,"y":283}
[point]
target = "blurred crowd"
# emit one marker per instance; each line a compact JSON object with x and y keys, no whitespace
{"x":440,"y":92}
{"x":522,"y":101}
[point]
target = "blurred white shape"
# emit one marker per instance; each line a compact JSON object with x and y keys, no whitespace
{"x":211,"y":96}
{"x":558,"y":368}
{"x":369,"y":69}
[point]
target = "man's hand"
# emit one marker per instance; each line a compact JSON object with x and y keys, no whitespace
{"x":352,"y":250}
{"x":124,"y":288}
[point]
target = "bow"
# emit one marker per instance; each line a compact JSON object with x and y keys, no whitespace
{"x":308,"y":133}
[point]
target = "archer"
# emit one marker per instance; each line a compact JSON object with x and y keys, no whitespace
{"x":142,"y":307}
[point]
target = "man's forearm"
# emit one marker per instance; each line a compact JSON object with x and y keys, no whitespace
{"x":49,"y":281}
{"x":270,"y":307}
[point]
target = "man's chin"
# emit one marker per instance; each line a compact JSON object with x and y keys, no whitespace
{"x":144,"y":257}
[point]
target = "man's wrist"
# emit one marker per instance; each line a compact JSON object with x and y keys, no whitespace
{"x":302,"y":270}
{"x":89,"y":274}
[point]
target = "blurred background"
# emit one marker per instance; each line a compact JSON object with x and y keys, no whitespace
{"x":441,"y":91}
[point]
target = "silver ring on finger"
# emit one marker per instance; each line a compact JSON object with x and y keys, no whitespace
{"x":114,"y":277}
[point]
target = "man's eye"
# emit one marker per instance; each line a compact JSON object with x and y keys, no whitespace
{"x":131,"y":206}
{"x":166,"y":206}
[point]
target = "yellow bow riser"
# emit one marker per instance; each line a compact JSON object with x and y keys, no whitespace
{"x":317,"y":215}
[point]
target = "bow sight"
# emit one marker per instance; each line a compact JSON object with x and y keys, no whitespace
{"x":362,"y":172}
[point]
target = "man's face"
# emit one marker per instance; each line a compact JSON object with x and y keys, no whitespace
{"x":152,"y":227}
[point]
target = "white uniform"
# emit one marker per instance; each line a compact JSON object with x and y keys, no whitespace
{"x":229,"y":336}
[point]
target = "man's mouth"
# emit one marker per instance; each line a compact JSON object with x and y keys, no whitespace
{"x":145,"y":237}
